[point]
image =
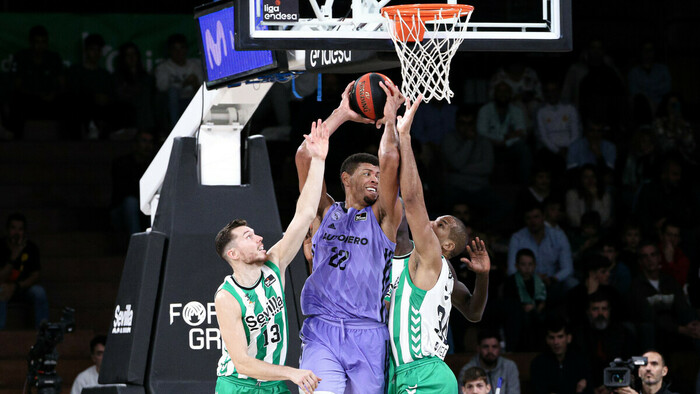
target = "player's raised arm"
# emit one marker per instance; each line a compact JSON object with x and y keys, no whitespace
{"x":389,"y":206}
{"x":284,"y":251}
{"x":472,"y":305}
{"x":427,"y":246}
{"x":228,"y":313}
{"x":339,"y":116}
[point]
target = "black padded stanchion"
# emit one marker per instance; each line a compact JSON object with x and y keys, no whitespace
{"x":184,"y":344}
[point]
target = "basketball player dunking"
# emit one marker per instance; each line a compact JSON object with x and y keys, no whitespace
{"x":423,"y":283}
{"x":344,"y":337}
{"x":250,"y":305}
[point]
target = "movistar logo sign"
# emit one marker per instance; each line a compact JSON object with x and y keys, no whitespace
{"x":215,"y":44}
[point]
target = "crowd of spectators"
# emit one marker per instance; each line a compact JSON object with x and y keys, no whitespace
{"x":584,"y":188}
{"x":85,"y":101}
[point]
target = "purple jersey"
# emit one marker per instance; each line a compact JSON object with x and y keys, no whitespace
{"x":351,"y":267}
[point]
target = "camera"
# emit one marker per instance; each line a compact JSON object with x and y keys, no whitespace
{"x":43,"y":357}
{"x":619,"y":373}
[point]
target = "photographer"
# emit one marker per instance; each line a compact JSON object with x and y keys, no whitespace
{"x":652,"y":376}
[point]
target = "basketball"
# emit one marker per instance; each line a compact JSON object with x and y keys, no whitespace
{"x":367,"y":98}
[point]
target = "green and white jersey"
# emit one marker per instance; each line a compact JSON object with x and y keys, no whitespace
{"x":418,"y":318}
{"x":264,"y":320}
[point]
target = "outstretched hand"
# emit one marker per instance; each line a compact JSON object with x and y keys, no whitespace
{"x":317,"y":140}
{"x":478,"y":260}
{"x":346,"y":111}
{"x":403,"y":123}
{"x":305,"y":379}
{"x":394,"y":99}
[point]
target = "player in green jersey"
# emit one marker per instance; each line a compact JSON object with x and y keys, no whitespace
{"x":250,"y":303}
{"x":422,"y":288}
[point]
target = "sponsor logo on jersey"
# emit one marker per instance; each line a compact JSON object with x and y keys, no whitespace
{"x":269,"y":280}
{"x":348,"y":239}
{"x":274,"y":306}
{"x":331,"y":226}
{"x":361,"y":217}
{"x":122,"y":320}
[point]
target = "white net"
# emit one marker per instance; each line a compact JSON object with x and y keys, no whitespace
{"x":425,"y":61}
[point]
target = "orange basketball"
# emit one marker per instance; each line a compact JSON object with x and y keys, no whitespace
{"x":367,"y":98}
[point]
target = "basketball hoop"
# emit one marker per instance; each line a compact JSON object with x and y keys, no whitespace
{"x":425,"y":62}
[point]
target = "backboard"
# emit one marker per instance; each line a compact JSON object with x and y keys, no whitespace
{"x":506,"y":25}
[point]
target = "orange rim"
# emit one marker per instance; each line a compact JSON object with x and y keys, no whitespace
{"x":427,"y":11}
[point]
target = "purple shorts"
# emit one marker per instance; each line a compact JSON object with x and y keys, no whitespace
{"x":350,"y":357}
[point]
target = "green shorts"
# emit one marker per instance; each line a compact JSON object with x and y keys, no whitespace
{"x":229,"y":385}
{"x":425,"y":376}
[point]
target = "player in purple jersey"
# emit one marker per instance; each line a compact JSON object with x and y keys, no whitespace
{"x":344,"y":337}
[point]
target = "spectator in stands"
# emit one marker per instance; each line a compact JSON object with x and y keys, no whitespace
{"x":592,"y":148}
{"x":38,"y":82}
{"x":553,"y":212}
{"x":674,"y":262}
{"x":88,"y":378}
{"x":524,"y":83}
{"x":673,"y":131}
{"x":592,"y":56}
{"x":602,"y":338}
{"x":19,"y":271}
{"x":524,"y":299}
{"x":539,"y":189}
{"x":560,"y":369}
{"x":649,"y":79}
{"x":503,"y":123}
{"x":551,"y":248}
{"x":134,"y":89}
{"x":665,"y":319}
{"x":178,"y":77}
{"x":620,"y":274}
{"x":586,"y":237}
{"x":475,"y":382}
{"x":651,"y":375}
{"x":631,"y":237}
{"x":462,"y":212}
{"x":596,"y":281}
{"x":488,"y":357}
{"x":667,"y":197}
{"x":558,"y":126}
{"x":91,"y":88}
{"x":468,"y":164}
{"x":602,"y":93}
{"x":126,"y":174}
{"x":640,"y":167}
{"x":590,"y":194}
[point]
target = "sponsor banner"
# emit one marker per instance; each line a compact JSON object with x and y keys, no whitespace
{"x":200,"y":322}
{"x":123,"y":317}
{"x":280,"y":10}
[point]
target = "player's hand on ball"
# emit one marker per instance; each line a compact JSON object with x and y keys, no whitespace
{"x":394,"y":99}
{"x":305,"y":379}
{"x":478,"y":260}
{"x":346,"y":110}
{"x":403,"y":123}
{"x":317,"y":140}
